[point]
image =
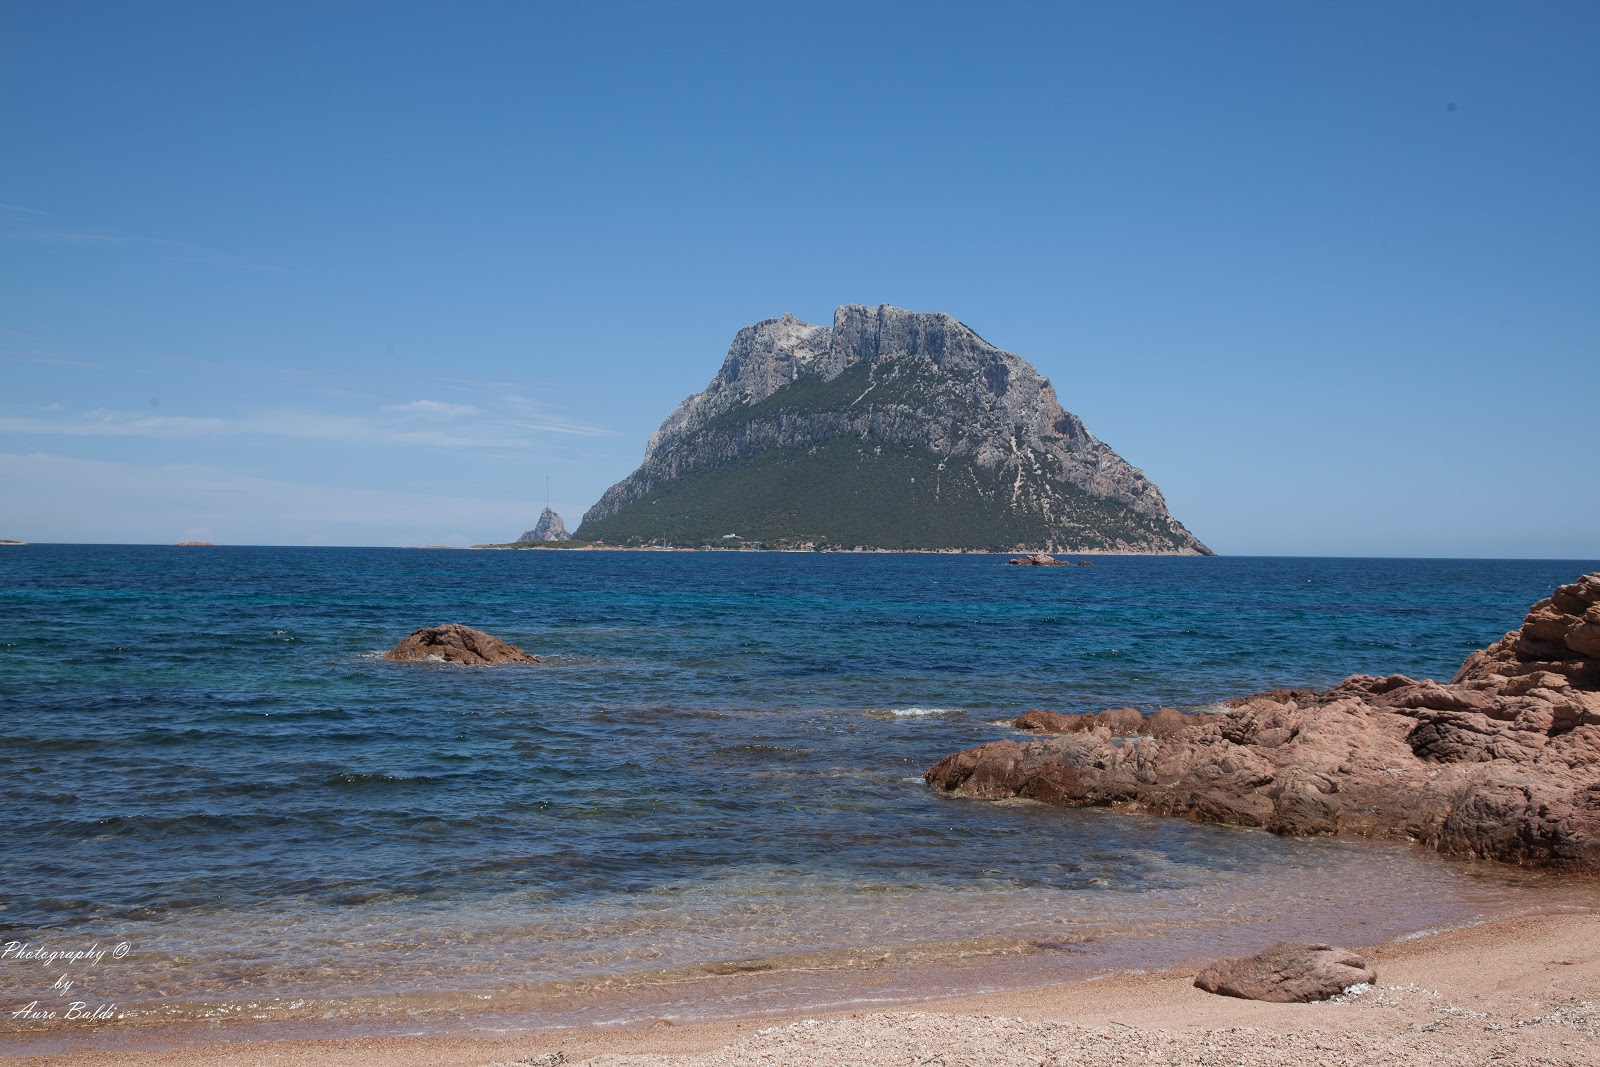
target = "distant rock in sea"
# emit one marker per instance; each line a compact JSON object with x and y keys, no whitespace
{"x":891,"y":429}
{"x":1503,"y":762}
{"x":454,"y":643}
{"x":548,"y":528}
{"x":7,"y":541}
{"x":195,"y":544}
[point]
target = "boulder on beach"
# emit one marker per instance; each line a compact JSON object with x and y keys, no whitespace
{"x":1287,"y":973}
{"x":1502,"y":762}
{"x":454,"y":643}
{"x":1038,"y":560}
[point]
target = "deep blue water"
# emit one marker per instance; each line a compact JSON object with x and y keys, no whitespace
{"x":720,"y":758}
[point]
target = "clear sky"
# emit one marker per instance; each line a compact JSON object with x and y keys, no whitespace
{"x":341,"y":273}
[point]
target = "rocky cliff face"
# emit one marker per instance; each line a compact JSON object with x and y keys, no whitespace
{"x":548,"y":528}
{"x":1001,"y":464}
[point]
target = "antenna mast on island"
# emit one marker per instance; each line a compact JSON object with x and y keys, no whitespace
{"x":546,"y":490}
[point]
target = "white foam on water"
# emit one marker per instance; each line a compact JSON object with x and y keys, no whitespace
{"x":919,"y":712}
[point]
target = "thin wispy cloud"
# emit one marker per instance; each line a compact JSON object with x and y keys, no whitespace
{"x":434,"y":407}
{"x":556,"y":426}
{"x":18,"y":223}
{"x":22,"y":224}
{"x":165,"y":502}
{"x":113,"y":424}
{"x":298,"y":425}
{"x":47,"y":361}
{"x":53,"y":236}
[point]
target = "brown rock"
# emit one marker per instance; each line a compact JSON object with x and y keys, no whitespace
{"x":1502,"y":763}
{"x":454,"y":643}
{"x":1167,"y":722}
{"x":1047,"y":722}
{"x":1584,"y":638}
{"x":1436,"y":697}
{"x":1038,"y":560}
{"x":1122,"y":722}
{"x":1277,"y":696}
{"x":1286,"y":973}
{"x":1118,"y":722}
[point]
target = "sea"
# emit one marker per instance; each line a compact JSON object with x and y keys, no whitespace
{"x":707,"y":801}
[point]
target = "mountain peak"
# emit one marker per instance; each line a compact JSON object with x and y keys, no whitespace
{"x":1033,"y":476}
{"x":548,"y":528}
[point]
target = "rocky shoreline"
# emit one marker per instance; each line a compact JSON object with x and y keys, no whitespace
{"x":1501,"y":763}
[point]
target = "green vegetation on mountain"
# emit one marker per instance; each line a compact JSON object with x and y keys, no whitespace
{"x":850,"y":492}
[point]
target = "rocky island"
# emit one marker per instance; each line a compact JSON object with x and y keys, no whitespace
{"x":1502,"y":763}
{"x":455,"y":643}
{"x":890,"y":429}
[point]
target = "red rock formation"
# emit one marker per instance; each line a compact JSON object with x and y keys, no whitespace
{"x":1287,"y":973}
{"x":454,"y":643}
{"x":1048,"y":722}
{"x":1118,"y":722}
{"x":1502,"y":763}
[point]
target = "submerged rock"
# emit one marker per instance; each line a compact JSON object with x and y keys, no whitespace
{"x":1501,"y":763}
{"x":454,"y":643}
{"x":1288,"y":972}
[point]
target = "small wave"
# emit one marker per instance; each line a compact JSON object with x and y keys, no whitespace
{"x":1435,"y":931}
{"x":910,"y":713}
{"x":349,"y":778}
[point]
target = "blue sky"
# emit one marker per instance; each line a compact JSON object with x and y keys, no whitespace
{"x":369,"y":273}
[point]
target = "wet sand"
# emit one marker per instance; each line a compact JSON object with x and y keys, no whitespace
{"x":1522,"y":990}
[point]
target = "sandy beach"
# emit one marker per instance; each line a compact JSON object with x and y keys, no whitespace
{"x":1522,"y":990}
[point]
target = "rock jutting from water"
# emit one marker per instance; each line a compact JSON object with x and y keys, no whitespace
{"x":1502,"y":763}
{"x":548,"y":528}
{"x":890,"y":429}
{"x":1038,"y":559}
{"x":454,"y":643}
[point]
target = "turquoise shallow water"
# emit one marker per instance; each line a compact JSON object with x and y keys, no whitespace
{"x":720,"y":761}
